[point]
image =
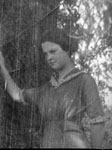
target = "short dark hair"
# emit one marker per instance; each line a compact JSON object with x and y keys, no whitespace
{"x":67,"y":43}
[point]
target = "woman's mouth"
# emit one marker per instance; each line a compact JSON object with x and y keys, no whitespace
{"x":51,"y":63}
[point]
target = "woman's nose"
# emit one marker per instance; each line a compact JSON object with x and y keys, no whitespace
{"x":49,"y":57}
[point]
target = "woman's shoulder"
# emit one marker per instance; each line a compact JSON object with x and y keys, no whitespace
{"x":44,"y":87}
{"x":88,"y":77}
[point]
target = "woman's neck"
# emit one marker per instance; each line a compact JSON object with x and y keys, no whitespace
{"x":65,"y":70}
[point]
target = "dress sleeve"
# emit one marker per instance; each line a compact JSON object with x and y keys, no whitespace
{"x":92,"y":100}
{"x":28,"y":96}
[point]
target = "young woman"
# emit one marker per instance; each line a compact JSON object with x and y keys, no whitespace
{"x":64,"y":100}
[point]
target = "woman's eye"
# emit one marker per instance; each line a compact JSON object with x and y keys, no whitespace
{"x":45,"y":54}
{"x":53,"y":51}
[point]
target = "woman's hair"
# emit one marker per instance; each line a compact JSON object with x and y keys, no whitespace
{"x":67,"y":43}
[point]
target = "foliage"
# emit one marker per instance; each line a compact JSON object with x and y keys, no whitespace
{"x":94,"y":48}
{"x":22,"y":22}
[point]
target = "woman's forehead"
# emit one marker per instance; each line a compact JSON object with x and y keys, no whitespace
{"x":49,"y":45}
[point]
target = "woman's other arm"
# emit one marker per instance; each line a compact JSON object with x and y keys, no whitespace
{"x":11,"y":87}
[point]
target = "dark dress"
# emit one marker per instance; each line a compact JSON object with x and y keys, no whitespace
{"x":63,"y":106}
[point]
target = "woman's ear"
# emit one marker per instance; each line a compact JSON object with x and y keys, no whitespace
{"x":67,"y":52}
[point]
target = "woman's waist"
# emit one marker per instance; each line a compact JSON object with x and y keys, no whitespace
{"x":68,"y":133}
{"x":63,"y":125}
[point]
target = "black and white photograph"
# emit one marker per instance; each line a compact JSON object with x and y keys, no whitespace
{"x":56,"y":74}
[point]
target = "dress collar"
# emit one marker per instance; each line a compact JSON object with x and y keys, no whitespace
{"x":72,"y":74}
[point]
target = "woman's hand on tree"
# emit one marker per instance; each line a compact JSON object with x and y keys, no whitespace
{"x":2,"y":62}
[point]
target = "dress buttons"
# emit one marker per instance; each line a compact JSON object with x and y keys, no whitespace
{"x":49,"y":109}
{"x":72,"y":101}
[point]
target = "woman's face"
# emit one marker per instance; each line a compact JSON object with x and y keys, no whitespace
{"x":55,"y":56}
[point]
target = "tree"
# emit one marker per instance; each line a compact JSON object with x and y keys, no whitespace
{"x":88,"y":23}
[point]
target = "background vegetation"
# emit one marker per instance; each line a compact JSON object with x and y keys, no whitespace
{"x":22,"y":24}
